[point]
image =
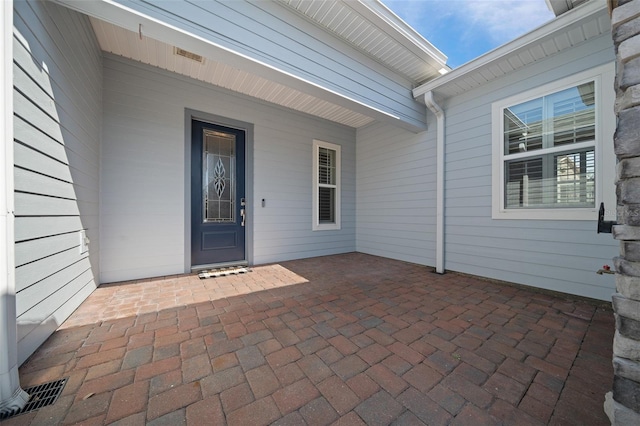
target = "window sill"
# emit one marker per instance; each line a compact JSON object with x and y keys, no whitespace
{"x":547,"y":214}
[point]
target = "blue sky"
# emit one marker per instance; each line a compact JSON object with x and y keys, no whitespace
{"x":465,"y":29}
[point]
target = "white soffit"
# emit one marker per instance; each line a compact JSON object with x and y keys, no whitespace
{"x":585,"y":22}
{"x":375,"y":30}
{"x":131,"y":45}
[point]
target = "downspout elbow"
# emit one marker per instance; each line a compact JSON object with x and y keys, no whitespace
{"x":433,"y":106}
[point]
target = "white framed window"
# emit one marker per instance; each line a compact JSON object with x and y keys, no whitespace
{"x":549,"y":159}
{"x":326,"y":186}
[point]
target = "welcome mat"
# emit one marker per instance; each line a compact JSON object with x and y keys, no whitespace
{"x":223,"y":272}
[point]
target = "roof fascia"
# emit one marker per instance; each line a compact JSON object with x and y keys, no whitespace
{"x":377,"y":12}
{"x":558,"y":7}
{"x":133,"y":20}
{"x":583,"y":13}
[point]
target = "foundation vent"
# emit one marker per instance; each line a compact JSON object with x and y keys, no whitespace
{"x":189,"y":55}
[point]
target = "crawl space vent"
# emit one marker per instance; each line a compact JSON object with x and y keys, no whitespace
{"x":40,"y":396}
{"x":189,"y":55}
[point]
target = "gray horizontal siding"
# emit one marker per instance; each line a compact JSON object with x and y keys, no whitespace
{"x":556,"y":255}
{"x":143,"y":218}
{"x":57,"y":122}
{"x":396,"y":194}
{"x":272,"y":34}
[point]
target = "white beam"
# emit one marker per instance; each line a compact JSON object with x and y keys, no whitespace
{"x":12,"y":397}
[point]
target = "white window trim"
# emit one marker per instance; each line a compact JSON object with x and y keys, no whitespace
{"x":316,"y":225}
{"x":605,"y":158}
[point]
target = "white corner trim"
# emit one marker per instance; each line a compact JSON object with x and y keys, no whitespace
{"x":12,"y":397}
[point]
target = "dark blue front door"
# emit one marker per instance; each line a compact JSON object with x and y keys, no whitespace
{"x":217,"y":194}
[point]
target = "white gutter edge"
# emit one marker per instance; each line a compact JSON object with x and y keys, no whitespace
{"x":396,"y":24}
{"x":440,"y":142}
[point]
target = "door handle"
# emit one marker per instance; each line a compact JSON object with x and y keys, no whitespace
{"x":243,"y":214}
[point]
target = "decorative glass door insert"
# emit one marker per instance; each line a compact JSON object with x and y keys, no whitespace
{"x":218,"y":186}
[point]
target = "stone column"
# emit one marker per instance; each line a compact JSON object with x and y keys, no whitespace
{"x":12,"y":397}
{"x":622,"y":404}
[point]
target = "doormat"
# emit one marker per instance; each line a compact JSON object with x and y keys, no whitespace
{"x":40,"y":396}
{"x":223,"y":272}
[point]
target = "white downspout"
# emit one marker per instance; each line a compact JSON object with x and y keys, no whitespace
{"x":12,"y":397}
{"x":439,"y":113}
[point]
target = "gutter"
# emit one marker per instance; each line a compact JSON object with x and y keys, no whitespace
{"x":440,"y":141}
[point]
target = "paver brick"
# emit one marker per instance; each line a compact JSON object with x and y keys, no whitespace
{"x":536,"y":409}
{"x":100,"y":357}
{"x":339,"y":395}
{"x":107,"y":383}
{"x":447,"y":399}
{"x":221,"y":381}
{"x":379,"y":409}
{"x":505,"y":388}
{"x":374,"y":353}
{"x":165,"y":382}
{"x":483,"y":352}
{"x":84,"y":409}
{"x":315,"y":369}
{"x":344,"y":345}
{"x":156,"y":368}
{"x":283,"y":357}
{"x":424,"y":408}
{"x":289,"y":373}
{"x":387,"y":380}
{"x":196,"y":368}
{"x":318,"y":412}
{"x":396,"y":364}
{"x":411,"y":356}
{"x":128,"y":400}
{"x":349,"y":366}
{"x":295,"y":395}
{"x":236,"y":397}
{"x":262,"y":381}
{"x":259,"y":413}
{"x":250,"y":357}
{"x":469,"y":391}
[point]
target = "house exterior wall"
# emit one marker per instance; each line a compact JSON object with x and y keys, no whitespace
{"x":143,"y":212}
{"x":396,"y":193}
{"x":561,"y":255}
{"x":270,"y":33}
{"x":57,"y":104}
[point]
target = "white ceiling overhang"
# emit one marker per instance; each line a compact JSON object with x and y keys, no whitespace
{"x":572,"y":28}
{"x":129,"y":33}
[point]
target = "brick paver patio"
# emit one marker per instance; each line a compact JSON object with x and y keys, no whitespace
{"x":348,"y":340}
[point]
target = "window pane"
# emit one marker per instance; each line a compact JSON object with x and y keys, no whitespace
{"x":523,"y":127}
{"x":574,"y":115}
{"x":551,"y":181}
{"x":326,"y":166}
{"x":326,"y":205}
{"x":565,"y":117}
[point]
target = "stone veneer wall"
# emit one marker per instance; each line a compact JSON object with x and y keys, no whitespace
{"x":622,"y":404}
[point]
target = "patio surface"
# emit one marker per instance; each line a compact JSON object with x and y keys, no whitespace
{"x":348,"y":340}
